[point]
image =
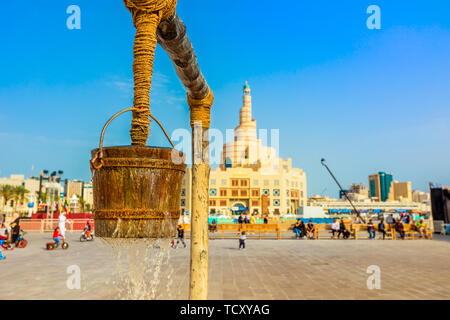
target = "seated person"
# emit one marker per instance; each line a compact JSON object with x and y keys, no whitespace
{"x":57,"y":236}
{"x":213,"y":226}
{"x":382,"y":228}
{"x":346,"y":233}
{"x":447,"y":229}
{"x":371,"y":229}
{"x":422,"y":228}
{"x":341,"y":228}
{"x":310,"y":229}
{"x":400,"y":229}
{"x":87,"y":229}
{"x":302,"y":229}
{"x":335,"y":227}
{"x":297,"y":229}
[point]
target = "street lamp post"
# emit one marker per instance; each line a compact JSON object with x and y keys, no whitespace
{"x":51,"y":179}
{"x":343,"y":191}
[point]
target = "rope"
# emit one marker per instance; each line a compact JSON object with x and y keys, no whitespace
{"x":147,"y":14}
{"x":201,"y":109}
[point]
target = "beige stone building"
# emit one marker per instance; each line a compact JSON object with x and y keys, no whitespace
{"x":74,"y":187}
{"x":400,"y":191}
{"x":251,"y":178}
{"x":420,"y":196}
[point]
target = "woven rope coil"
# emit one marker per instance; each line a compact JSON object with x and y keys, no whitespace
{"x":147,"y":14}
{"x":201,"y":109}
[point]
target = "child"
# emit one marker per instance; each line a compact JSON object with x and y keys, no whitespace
{"x":57,"y":236}
{"x":242,"y":240}
{"x":180,"y":231}
{"x":3,"y":238}
{"x":87,"y":230}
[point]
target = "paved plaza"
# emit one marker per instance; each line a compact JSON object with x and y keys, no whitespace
{"x":267,"y":269}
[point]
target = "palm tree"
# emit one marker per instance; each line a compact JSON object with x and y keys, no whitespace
{"x":81,"y":203}
{"x":6,"y":191}
{"x":43,"y":197}
{"x":19,"y":195}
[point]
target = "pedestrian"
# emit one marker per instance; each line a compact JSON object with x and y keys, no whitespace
{"x":180,"y":238}
{"x":62,"y":219}
{"x":242,"y":239}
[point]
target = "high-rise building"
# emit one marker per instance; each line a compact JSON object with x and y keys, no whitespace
{"x":251,"y":178}
{"x":380,"y":185}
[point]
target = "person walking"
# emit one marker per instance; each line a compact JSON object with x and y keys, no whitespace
{"x":62,"y":219}
{"x":180,"y":238}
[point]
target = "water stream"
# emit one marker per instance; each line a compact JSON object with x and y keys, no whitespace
{"x":142,"y":267}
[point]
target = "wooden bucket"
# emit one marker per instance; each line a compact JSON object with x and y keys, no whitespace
{"x":137,"y":190}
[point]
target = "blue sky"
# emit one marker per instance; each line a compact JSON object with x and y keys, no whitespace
{"x":366,"y":100}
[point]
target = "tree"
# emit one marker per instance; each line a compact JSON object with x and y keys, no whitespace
{"x":6,"y":191}
{"x":81,"y":203}
{"x":19,"y":195}
{"x":43,"y":197}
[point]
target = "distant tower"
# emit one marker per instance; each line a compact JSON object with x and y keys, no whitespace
{"x":245,"y":115}
{"x":246,"y":130}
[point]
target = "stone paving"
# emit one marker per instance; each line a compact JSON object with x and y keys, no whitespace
{"x":267,"y":269}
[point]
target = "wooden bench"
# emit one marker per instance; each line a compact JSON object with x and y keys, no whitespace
{"x":227,"y":231}
{"x":286,"y":230}
{"x":415,"y":234}
{"x":255,"y":231}
{"x":323,"y":231}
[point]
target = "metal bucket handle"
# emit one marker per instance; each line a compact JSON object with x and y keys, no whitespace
{"x":97,"y":160}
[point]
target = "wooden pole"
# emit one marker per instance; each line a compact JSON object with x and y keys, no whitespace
{"x":198,"y":289}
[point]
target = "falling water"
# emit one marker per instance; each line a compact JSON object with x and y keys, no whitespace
{"x":142,"y":267}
